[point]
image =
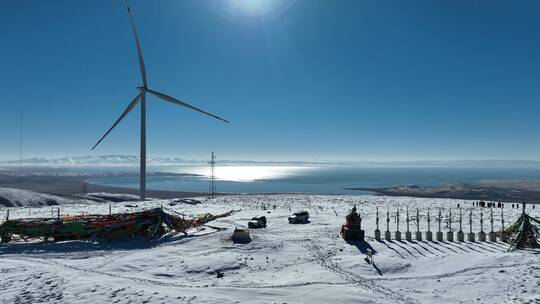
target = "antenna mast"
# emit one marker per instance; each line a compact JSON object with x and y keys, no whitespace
{"x":212,"y":177}
{"x":21,"y":139}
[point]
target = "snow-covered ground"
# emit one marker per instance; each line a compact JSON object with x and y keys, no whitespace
{"x":10,"y":197}
{"x":283,"y":264}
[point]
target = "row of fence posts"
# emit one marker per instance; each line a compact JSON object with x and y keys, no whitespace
{"x":57,"y":212}
{"x":471,"y":236}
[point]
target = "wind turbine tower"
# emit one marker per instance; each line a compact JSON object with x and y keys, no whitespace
{"x":143,"y":89}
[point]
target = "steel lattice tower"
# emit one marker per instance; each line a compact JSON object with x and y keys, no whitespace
{"x":212,"y":177}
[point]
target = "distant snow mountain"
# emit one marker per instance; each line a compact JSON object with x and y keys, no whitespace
{"x":101,"y":160}
{"x":464,"y":163}
{"x":133,"y":160}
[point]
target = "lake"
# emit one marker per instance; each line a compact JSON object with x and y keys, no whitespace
{"x":310,"y":178}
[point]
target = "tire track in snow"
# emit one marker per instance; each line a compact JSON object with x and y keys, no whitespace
{"x":448,"y":274}
{"x":179,"y":285}
{"x":324,"y":259}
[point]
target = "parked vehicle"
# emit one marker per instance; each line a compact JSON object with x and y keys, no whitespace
{"x":257,"y":222}
{"x":189,"y":201}
{"x":299,"y":218}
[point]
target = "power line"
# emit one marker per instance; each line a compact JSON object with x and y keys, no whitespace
{"x":21,"y":138}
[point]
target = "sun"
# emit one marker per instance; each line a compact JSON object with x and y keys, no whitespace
{"x":254,"y":8}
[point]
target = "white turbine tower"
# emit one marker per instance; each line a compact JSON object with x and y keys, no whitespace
{"x":142,"y":98}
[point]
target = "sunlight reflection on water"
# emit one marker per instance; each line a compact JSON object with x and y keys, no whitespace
{"x":249,"y":173}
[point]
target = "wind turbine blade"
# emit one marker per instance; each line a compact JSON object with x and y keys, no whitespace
{"x":181,"y":103}
{"x":130,"y":107}
{"x":139,"y":52}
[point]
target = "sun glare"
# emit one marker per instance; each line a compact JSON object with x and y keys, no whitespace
{"x":245,"y":173}
{"x":254,"y":8}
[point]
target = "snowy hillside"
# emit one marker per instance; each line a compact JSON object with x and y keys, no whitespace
{"x":10,"y":197}
{"x":284,"y":264}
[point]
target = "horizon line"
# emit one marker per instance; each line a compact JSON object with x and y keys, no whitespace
{"x":126,"y":158}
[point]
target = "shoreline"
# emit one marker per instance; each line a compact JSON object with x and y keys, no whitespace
{"x":72,"y":185}
{"x":510,"y":191}
{"x":495,"y":191}
{"x":77,"y":184}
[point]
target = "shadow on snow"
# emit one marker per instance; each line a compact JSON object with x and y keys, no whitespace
{"x":91,"y":245}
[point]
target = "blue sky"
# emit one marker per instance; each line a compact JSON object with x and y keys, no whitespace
{"x":312,"y":80}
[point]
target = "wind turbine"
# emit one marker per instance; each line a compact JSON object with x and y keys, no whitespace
{"x":142,"y":98}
